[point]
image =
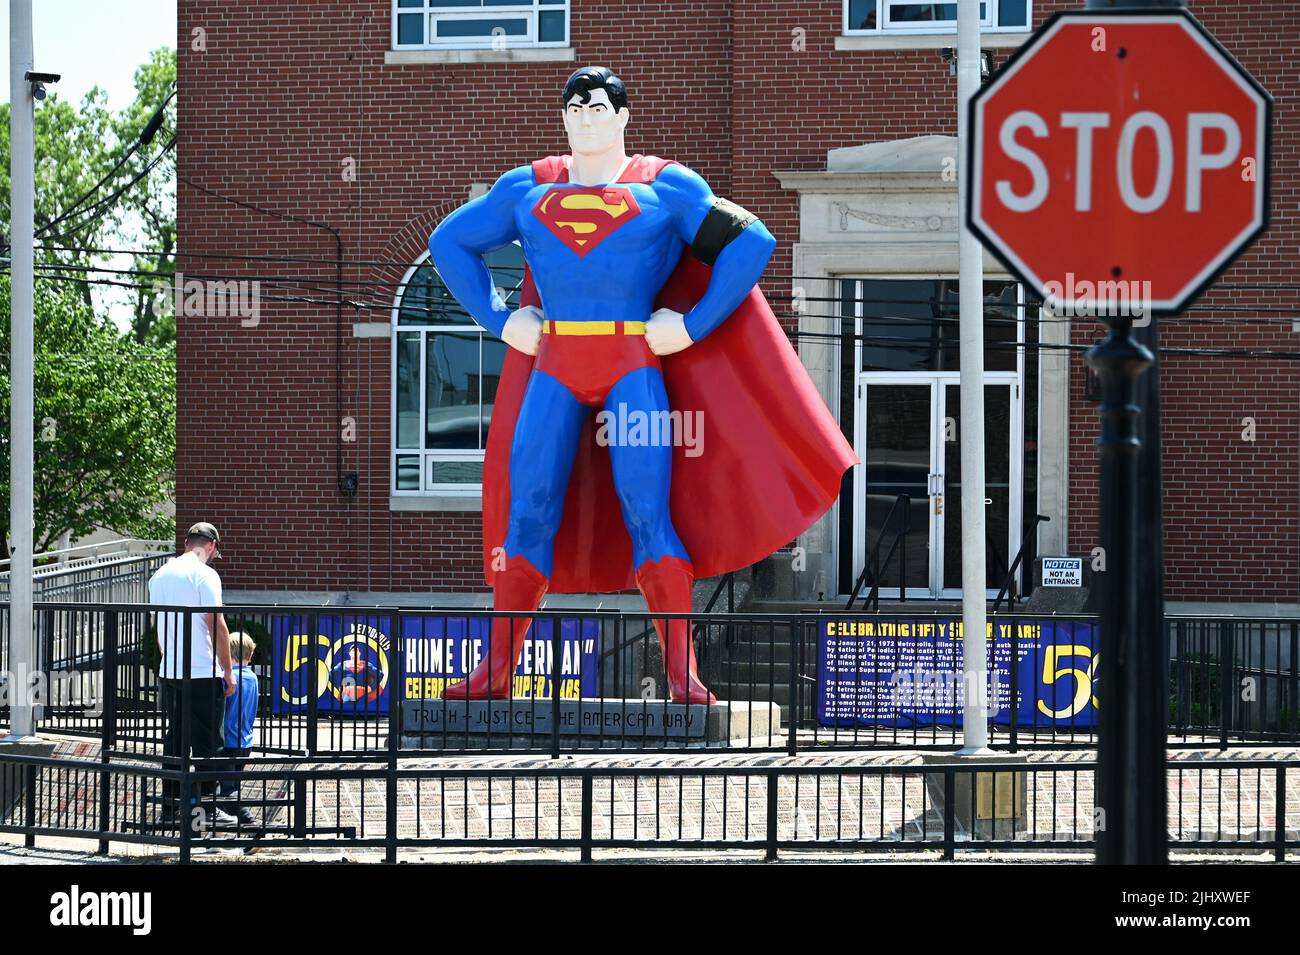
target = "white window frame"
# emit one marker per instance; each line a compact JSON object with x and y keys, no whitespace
{"x":909,"y":27}
{"x":529,"y":10}
{"x":428,"y":456}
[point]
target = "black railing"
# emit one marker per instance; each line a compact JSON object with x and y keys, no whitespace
{"x":1240,"y":808}
{"x":783,"y":682}
{"x":844,"y":685}
{"x":1009,"y":582}
{"x":874,"y":566}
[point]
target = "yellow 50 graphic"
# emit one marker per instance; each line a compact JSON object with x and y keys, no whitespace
{"x":1083,"y":678}
{"x":299,"y":652}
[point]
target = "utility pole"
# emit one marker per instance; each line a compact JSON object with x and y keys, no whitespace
{"x":22,"y":187}
{"x":970,"y":283}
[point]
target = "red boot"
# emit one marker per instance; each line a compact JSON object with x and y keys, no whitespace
{"x":666,"y":585}
{"x":520,"y":586}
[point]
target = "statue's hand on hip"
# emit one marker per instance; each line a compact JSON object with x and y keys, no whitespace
{"x":666,"y":333}
{"x":523,"y":329}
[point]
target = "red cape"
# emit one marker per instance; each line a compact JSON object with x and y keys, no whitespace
{"x":772,"y":459}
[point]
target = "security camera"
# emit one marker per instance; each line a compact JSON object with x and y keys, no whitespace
{"x":38,"y":81}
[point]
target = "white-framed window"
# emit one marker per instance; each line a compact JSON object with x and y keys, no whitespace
{"x":479,"y":24}
{"x":874,"y":17}
{"x":445,"y":375}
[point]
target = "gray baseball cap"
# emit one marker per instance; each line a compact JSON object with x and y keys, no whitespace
{"x":204,"y":529}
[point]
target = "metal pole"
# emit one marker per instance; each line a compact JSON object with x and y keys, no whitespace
{"x":1145,"y":667}
{"x":22,"y":179}
{"x":1118,"y":361}
{"x":970,"y":275}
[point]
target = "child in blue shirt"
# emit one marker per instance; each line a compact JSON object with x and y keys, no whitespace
{"x":241,"y":712}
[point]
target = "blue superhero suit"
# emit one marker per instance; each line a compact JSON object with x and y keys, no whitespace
{"x":613,"y":279}
{"x":599,"y":256}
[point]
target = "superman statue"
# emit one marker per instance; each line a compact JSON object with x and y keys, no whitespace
{"x":639,"y":300}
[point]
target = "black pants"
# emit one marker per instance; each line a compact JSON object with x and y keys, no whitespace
{"x":229,"y":785}
{"x":207,"y":711}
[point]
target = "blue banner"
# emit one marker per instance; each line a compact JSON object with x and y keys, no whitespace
{"x":907,"y":673}
{"x":354,"y":659}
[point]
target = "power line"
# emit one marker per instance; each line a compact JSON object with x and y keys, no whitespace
{"x":452,"y":308}
{"x":144,"y":138}
{"x":102,"y":205}
{"x":992,"y":306}
{"x":876,"y":340}
{"x":1288,"y":311}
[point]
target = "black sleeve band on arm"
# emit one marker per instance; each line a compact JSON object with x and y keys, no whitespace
{"x":724,"y":222}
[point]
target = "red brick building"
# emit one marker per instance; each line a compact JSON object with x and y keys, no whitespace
{"x":348,"y":128}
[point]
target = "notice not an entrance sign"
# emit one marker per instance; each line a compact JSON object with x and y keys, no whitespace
{"x":1062,"y":571}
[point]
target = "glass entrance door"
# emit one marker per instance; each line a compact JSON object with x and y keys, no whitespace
{"x":999,"y":502}
{"x":897,"y":450}
{"x":909,"y":440}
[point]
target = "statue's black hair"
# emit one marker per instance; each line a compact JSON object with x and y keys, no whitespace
{"x":589,"y":78}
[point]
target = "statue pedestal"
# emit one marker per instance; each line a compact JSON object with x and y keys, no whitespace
{"x":427,"y":723}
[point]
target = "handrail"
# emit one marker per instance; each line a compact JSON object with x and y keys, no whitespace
{"x":1008,"y":583}
{"x":873,"y":559}
{"x":727,"y":580}
{"x":113,"y":548}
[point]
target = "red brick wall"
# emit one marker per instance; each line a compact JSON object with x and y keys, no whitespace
{"x":1232,"y":507}
{"x":286,"y":91}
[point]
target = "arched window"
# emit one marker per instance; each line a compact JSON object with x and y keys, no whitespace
{"x":445,"y":373}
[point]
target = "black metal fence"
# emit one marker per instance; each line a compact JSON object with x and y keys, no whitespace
{"x":337,"y":683}
{"x":361,"y":750}
{"x":1247,"y":808}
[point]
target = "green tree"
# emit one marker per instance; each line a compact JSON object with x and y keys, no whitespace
{"x":76,"y":147}
{"x":105,"y":399}
{"x":105,"y":423}
{"x":153,"y":200}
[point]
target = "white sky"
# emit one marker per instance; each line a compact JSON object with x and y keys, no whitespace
{"x":95,"y":43}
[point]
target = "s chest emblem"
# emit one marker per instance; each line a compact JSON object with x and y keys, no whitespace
{"x":583,"y":217}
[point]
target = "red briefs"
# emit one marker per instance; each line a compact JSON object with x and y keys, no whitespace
{"x":590,"y":365}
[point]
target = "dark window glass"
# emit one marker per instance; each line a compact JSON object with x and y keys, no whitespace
{"x":926,"y":12}
{"x":1013,"y":13}
{"x":484,"y":28}
{"x":550,"y":26}
{"x":408,"y":472}
{"x":913,"y":325}
{"x":451,"y":371}
{"x":922,"y":12}
{"x":410,"y":28}
{"x":862,"y":14}
{"x":426,"y":301}
{"x":408,"y":389}
{"x":494,"y":355}
{"x":455,"y":472}
{"x":507,"y":267}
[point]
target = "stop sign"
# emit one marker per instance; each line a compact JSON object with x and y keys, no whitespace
{"x":1119,"y":161}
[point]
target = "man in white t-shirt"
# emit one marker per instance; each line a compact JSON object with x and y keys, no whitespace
{"x":187,"y":580}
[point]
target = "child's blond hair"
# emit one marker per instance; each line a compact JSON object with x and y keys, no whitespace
{"x":242,"y":647}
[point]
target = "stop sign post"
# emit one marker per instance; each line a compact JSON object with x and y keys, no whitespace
{"x":1119,"y":162}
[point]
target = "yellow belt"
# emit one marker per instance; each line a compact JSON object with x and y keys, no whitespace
{"x":592,"y":328}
